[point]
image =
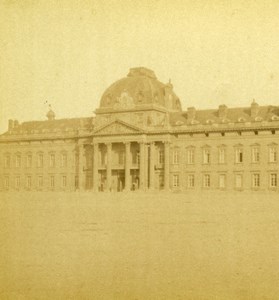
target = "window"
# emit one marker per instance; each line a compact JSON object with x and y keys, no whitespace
{"x":29,"y":161}
{"x":175,"y":180}
{"x":191,"y":180}
{"x":64,"y":181}
{"x":238,"y":181}
{"x":222,"y":181}
{"x":255,"y":154}
{"x":190,"y":156}
{"x":40,"y":160}
{"x":40,"y":181}
{"x":255,"y":180}
{"x":7,"y":161}
{"x":6,"y":182}
{"x":121,"y":156}
{"x":17,"y":182}
{"x":273,"y":180}
{"x":28,"y":181}
{"x":175,"y":156}
{"x":18,"y":161}
{"x":52,"y":181}
{"x":222,"y":155}
{"x":64,"y":160}
{"x":206,"y":156}
{"x":52,"y":160}
{"x":161,"y":156}
{"x":272,"y":154}
{"x":206,"y":180}
{"x":76,"y":182}
{"x":76,"y":159}
{"x":138,"y":157}
{"x":238,"y":155}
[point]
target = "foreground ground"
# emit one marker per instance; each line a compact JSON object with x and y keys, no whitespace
{"x":139,"y":246}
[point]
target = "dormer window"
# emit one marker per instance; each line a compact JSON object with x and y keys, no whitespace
{"x":241,"y":119}
{"x":140,"y":96}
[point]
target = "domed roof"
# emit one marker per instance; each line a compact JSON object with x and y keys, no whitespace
{"x":139,"y":89}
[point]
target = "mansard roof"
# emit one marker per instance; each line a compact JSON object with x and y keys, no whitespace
{"x":49,"y":126}
{"x":232,"y":115}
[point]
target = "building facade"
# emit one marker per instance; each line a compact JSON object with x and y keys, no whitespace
{"x":141,"y":139}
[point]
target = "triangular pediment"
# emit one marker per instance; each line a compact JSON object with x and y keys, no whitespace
{"x":117,"y":127}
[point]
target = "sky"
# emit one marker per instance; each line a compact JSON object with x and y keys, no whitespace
{"x":66,"y":53}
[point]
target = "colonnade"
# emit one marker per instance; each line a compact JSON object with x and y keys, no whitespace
{"x":146,"y":166}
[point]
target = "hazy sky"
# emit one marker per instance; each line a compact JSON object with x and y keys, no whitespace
{"x":68,"y":52}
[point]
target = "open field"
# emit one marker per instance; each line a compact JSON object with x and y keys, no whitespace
{"x":139,"y":246}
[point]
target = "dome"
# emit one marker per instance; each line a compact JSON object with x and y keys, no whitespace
{"x":139,"y":89}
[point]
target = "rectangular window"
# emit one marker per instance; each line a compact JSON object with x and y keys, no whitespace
{"x":40,"y":160}
{"x":29,"y":161}
{"x":28,"y":181}
{"x":272,"y":154}
{"x":121,"y":156}
{"x":238,"y":155}
{"x":175,"y":156}
{"x":76,"y":159}
{"x":238,"y":181}
{"x":6,"y":182}
{"x":255,"y":155}
{"x":190,"y":156}
{"x":52,"y":181}
{"x":17,"y":182}
{"x":256,"y":180}
{"x":161,"y":157}
{"x":7,"y":161}
{"x":64,"y":160}
{"x":18,"y":161}
{"x":40,"y":181}
{"x":52,"y":160}
{"x":138,"y":157}
{"x":191,"y":180}
{"x":206,"y":180}
{"x":76,"y":182}
{"x":273,"y":180}
{"x":175,"y":180}
{"x":222,"y":181}
{"x":206,"y":156}
{"x":64,"y":181}
{"x":222,"y":155}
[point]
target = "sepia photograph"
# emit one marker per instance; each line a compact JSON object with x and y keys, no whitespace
{"x":139,"y":150}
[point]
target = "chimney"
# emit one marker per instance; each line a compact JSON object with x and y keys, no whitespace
{"x":254,"y":109}
{"x":223,"y":111}
{"x":10,"y":125}
{"x":16,"y":123}
{"x":191,"y":113}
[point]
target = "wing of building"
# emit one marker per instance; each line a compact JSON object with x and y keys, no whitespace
{"x":141,"y":139}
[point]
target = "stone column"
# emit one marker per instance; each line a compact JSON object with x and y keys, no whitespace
{"x":152,"y":165}
{"x":142,"y":170}
{"x":167,"y":166}
{"x":81,"y":166}
{"x":95,"y":167}
{"x":146,"y":164}
{"x":108,"y":187}
{"x":127,"y":166}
